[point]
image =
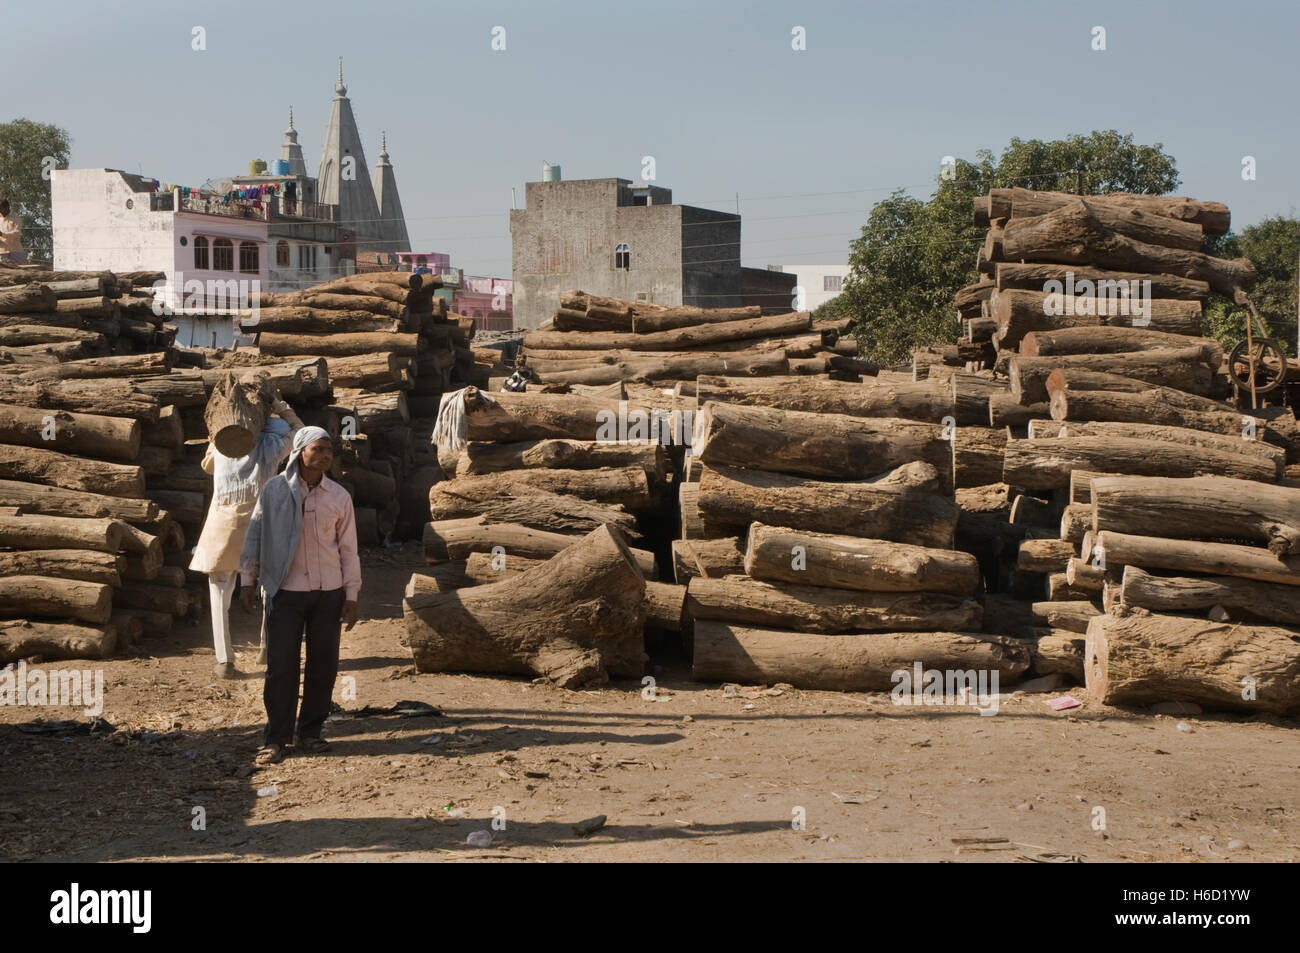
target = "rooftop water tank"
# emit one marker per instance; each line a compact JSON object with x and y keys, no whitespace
{"x":256,"y":166}
{"x":279,"y":166}
{"x":550,"y":172}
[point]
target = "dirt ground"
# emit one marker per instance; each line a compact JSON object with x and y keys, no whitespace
{"x":696,"y":774}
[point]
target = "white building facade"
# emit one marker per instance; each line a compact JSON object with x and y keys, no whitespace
{"x":817,"y":283}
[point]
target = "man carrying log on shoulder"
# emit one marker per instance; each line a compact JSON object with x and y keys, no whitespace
{"x":237,"y":481}
{"x":301,"y":549}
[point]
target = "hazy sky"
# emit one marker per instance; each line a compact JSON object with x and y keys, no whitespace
{"x":809,"y":139}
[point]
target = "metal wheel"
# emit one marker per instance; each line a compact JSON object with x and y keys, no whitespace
{"x":1266,"y":357}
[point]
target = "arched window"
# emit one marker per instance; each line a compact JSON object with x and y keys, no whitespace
{"x":201,"y":252}
{"x":248,"y":258}
{"x":622,"y":256}
{"x":282,"y":253}
{"x":223,"y":255}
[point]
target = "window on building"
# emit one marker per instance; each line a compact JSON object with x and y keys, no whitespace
{"x":223,"y":255}
{"x":282,"y":254}
{"x":248,"y":258}
{"x":622,"y":256}
{"x":306,"y":257}
{"x":201,"y":253}
{"x":832,"y":282}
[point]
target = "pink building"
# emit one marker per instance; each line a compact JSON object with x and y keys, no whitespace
{"x":437,"y":262}
{"x":487,"y":299}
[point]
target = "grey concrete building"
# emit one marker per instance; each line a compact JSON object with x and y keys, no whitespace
{"x":612,"y":237}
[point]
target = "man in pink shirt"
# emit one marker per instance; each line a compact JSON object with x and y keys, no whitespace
{"x":301,"y":551}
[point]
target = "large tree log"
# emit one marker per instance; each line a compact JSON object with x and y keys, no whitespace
{"x":1135,"y":657}
{"x":58,"y":532}
{"x":1245,"y":598}
{"x":1019,"y":313}
{"x":1213,"y":217}
{"x":1034,"y":276}
{"x":1071,"y":615}
{"x":526,"y":506}
{"x":1045,"y":555}
{"x":1057,"y":651}
{"x":710,"y":558}
{"x":1215,"y":559}
{"x":812,"y":444}
{"x":454,"y":540}
{"x":625,"y":486}
{"x":152,"y":598}
{"x":366,"y":370}
{"x":928,"y":400}
{"x":338,"y":345}
{"x":681,"y":366}
{"x":32,"y":297}
{"x":57,"y":501}
{"x":1077,"y":233}
{"x":1113,"y":340}
{"x":179,"y":389}
{"x":296,"y":378}
{"x":23,"y":638}
{"x":1208,"y":508}
{"x":694,"y":336}
{"x":1045,"y":464}
{"x":594,"y":318}
{"x":106,"y":398}
{"x":805,"y":608}
{"x":505,"y":416}
{"x":112,"y":438}
{"x":1161,"y":432}
{"x":235,"y":416}
{"x":33,"y":465}
{"x":126,"y":365}
{"x":977,"y":454}
{"x":27,"y":335}
{"x":671,"y":318}
{"x":291,"y":318}
{"x":57,"y":598}
{"x":83,"y":564}
{"x":326,"y":301}
{"x":1006,"y":411}
{"x":905,"y":505}
{"x":576,"y":620}
{"x":1193,"y":370}
{"x":375,"y":413}
{"x":733,"y":653}
{"x":482,"y":457}
{"x":845,"y":562}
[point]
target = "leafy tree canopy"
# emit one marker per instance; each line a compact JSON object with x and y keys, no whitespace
{"x":28,"y":152}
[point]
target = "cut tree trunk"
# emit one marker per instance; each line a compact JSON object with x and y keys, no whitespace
{"x":1114,"y":340}
{"x":1045,"y":555}
{"x":338,"y":345}
{"x":57,"y":598}
{"x":681,"y":366}
{"x":32,"y":465}
{"x":235,"y":416}
{"x":126,"y":365}
{"x":694,"y":336}
{"x":105,"y":398}
{"x":1057,"y":651}
{"x":813,"y":444}
{"x":455,"y":540}
{"x":1214,"y":559}
{"x":1076,"y":519}
{"x":23,"y":638}
{"x":1183,"y":594}
{"x":1207,"y":508}
{"x":481,"y":457}
{"x":625,"y":486}
{"x":1196,"y":438}
{"x":57,"y":501}
{"x":83,"y":564}
{"x":593,"y":319}
{"x":672,"y":318}
{"x":1072,"y":615}
{"x":805,"y":608}
{"x":1034,"y":276}
{"x":845,"y":562}
{"x":1135,"y":657}
{"x":1186,"y":369}
{"x":1213,"y":217}
{"x":33,"y":297}
{"x":855,"y":663}
{"x":291,"y":318}
{"x":526,"y":506}
{"x":504,"y":416}
{"x":296,"y":378}
{"x":1045,"y":464}
{"x":709,"y":558}
{"x":112,"y":438}
{"x":926,"y":400}
{"x":1077,"y":233}
{"x":366,"y":370}
{"x":152,"y":598}
{"x":1019,"y":313}
{"x":59,"y":532}
{"x":1006,"y":411}
{"x":905,"y":505}
{"x":977,"y":454}
{"x":576,"y":620}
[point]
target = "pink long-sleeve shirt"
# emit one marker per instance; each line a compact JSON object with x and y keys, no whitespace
{"x":326,"y":557}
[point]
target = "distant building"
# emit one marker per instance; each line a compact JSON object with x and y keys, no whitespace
{"x":490,"y":301}
{"x":770,"y":288}
{"x":611,"y":237}
{"x":816,"y":284}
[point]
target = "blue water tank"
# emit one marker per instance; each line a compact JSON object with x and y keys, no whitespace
{"x":279,"y":166}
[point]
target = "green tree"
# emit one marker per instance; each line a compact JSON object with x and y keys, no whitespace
{"x":912,"y":256}
{"x":1273,"y":246}
{"x":28,"y":152}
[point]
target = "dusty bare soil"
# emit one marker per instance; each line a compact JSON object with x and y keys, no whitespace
{"x":696,"y":774}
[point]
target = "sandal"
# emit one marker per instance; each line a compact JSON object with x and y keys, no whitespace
{"x":269,"y":754}
{"x":312,"y":745}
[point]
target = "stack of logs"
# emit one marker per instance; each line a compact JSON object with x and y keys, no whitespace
{"x":392,"y":349}
{"x":94,"y":485}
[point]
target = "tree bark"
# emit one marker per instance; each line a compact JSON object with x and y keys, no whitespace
{"x":1006,"y":411}
{"x":526,"y":506}
{"x":1207,"y":508}
{"x":58,"y":532}
{"x":710,"y":558}
{"x":694,"y":336}
{"x":32,"y":465}
{"x":1160,"y":432}
{"x":338,"y":345}
{"x":1260,"y":601}
{"x":1186,"y":369}
{"x":375,"y":413}
{"x":595,"y":318}
{"x":455,"y":540}
{"x":81,"y":564}
{"x":864,"y":663}
{"x":817,"y":445}
{"x":325,"y":301}
{"x":105,"y":398}
{"x":1034,"y":276}
{"x":576,"y":620}
{"x":1215,"y":559}
{"x":152,"y":598}
{"x":905,"y":505}
{"x":366,"y":370}
{"x":1019,"y":313}
{"x":505,"y":417}
{"x":1045,"y":555}
{"x":299,"y":318}
{"x":296,"y":378}
{"x":481,"y":457}
{"x":57,"y":501}
{"x":23,"y":638}
{"x":977,"y":454}
{"x":672,"y":318}
{"x":126,"y":365}
{"x":1046,"y":464}
{"x":1213,"y":217}
{"x":235,"y":416}
{"x":112,"y":438}
{"x":1114,"y":340}
{"x":626,"y":486}
{"x":32,"y":297}
{"x":1057,"y":651}
{"x":1135,"y":657}
{"x":1077,"y":233}
{"x":1071,"y":615}
{"x":58,"y":598}
{"x":926,"y":400}
{"x":680,"y":366}
{"x":806,"y":608}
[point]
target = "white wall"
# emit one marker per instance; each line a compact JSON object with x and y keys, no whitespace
{"x":812,"y":279}
{"x":94,"y":230}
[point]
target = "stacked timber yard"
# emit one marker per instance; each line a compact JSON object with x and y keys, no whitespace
{"x":1074,"y":494}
